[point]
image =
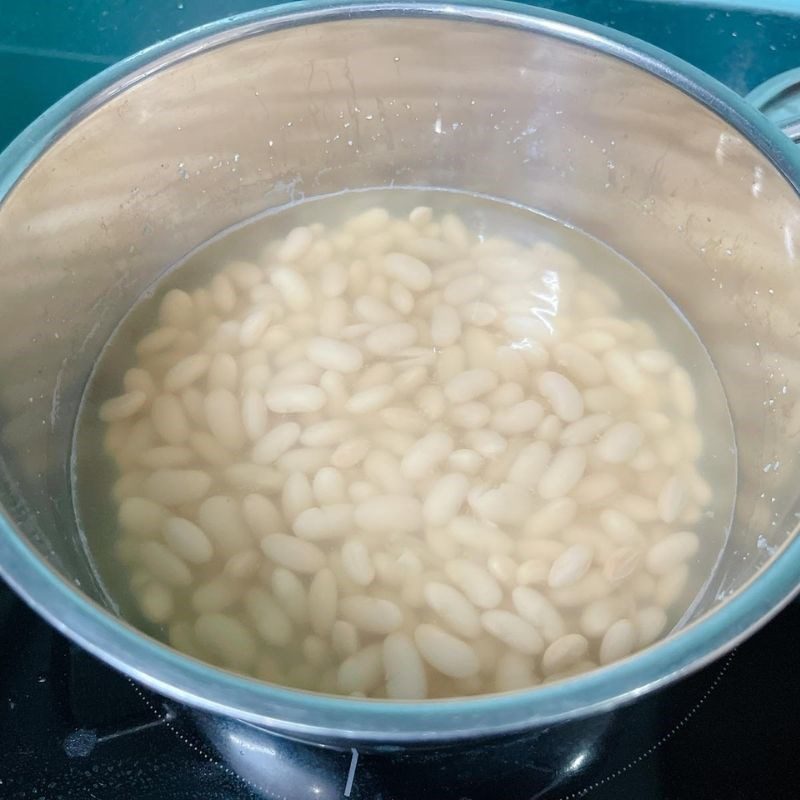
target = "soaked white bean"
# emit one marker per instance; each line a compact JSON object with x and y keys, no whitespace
{"x":405,"y":672}
{"x":453,"y":608}
{"x":399,"y":457}
{"x":446,"y":653}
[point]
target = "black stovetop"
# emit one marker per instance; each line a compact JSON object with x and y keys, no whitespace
{"x":71,"y":727}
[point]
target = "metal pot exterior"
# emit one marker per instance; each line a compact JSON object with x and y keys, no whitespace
{"x":170,"y":147}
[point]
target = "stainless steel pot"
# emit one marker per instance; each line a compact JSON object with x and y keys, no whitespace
{"x":162,"y":151}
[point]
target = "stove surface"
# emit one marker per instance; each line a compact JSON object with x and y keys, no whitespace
{"x":71,"y":728}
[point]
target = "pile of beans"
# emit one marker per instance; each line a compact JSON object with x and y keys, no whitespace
{"x":396,"y":459}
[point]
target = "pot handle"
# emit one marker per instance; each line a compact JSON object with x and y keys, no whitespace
{"x":779,"y":100}
{"x":792,"y":130}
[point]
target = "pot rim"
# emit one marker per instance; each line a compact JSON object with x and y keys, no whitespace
{"x":309,"y":715}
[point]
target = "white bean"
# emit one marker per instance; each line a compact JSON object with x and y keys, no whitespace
{"x":466,"y":461}
{"x":470,"y":384}
{"x":261,"y":515}
{"x":177,"y":487}
{"x":618,"y":641}
{"x":650,"y":623}
{"x":672,"y":551}
{"x":534,"y":607}
{"x":295,"y":245}
{"x":139,"y":380}
{"x":221,"y":519}
{"x":408,"y":270}
{"x":330,"y":522}
{"x":487,"y":443}
{"x":656,"y":361}
{"x":371,"y":309}
{"x":479,"y":313}
{"x":227,"y":640}
{"x":475,"y":582}
{"x":323,"y":598}
{"x":296,"y":496}
{"x":361,"y":672}
{"x":156,"y":603}
{"x":585,"y":430}
{"x":371,"y":614}
{"x":671,"y":500}
{"x":224,"y":418}
{"x":169,"y":419}
{"x":293,"y":287}
{"x":157,"y":341}
{"x":445,"y":326}
{"x":344,"y":638}
{"x":513,"y":671}
{"x":562,"y":473}
{"x":454,"y":609}
{"x":508,"y":504}
{"x":562,"y":394}
{"x":164,"y":565}
{"x":671,"y":586}
{"x":446,"y":653}
{"x":564,"y":653}
{"x":122,"y":407}
{"x":267,"y":617}
{"x":598,"y":616}
{"x":253,"y":478}
{"x":580,"y":364}
{"x":386,"y":513}
{"x":223,"y":372}
{"x":223,"y":294}
{"x":470,"y":415}
{"x":140,"y":516}
{"x":570,"y":566}
{"x":464,"y":289}
{"x":295,"y":399}
{"x":595,"y":488}
{"x":445,"y":499}
{"x":186,"y":372}
{"x":403,"y":667}
{"x":621,"y":529}
{"x":326,"y":433}
{"x":253,"y":328}
{"x":293,"y":553}
{"x":274,"y":444}
{"x":619,"y":443}
{"x":622,"y":563}
{"x":370,"y":400}
{"x":333,"y":354}
{"x":350,"y":452}
{"x":176,"y":309}
{"x":623,"y":372}
{"x":480,"y":536}
{"x":513,"y":631}
{"x":530,"y":464}
{"x":520,"y":418}
{"x":357,"y":563}
{"x":551,"y":518}
{"x":682,"y":392}
{"x":333,"y":280}
{"x":289,"y":591}
{"x":187,"y":541}
{"x":243,"y":566}
{"x":216,"y":595}
{"x":426,"y":454}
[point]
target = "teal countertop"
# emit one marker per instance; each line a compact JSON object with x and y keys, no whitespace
{"x":48,"y":47}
